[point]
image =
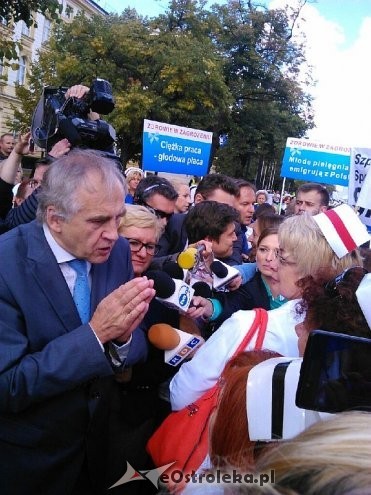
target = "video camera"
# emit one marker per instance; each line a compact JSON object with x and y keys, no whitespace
{"x":56,"y":117}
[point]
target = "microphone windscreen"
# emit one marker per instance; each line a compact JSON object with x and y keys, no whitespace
{"x":163,"y":284}
{"x":187,"y":258}
{"x":202,"y":289}
{"x":163,"y":336}
{"x":219,"y":269}
{"x":173,"y":269}
{"x":69,"y":131}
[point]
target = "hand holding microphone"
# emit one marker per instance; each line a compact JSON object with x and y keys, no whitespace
{"x":194,"y":254}
{"x":223,"y":274}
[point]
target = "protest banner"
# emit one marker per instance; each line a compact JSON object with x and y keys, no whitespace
{"x":313,"y":161}
{"x":359,"y":192}
{"x":175,"y":149}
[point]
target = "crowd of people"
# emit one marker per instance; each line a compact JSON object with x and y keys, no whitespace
{"x":83,"y":388}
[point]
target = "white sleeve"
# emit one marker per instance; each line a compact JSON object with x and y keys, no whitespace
{"x":198,"y":375}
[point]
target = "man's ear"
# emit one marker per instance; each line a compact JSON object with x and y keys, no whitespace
{"x":322,"y":209}
{"x":198,"y":198}
{"x":53,"y":219}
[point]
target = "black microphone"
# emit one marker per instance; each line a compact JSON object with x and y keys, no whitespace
{"x":68,"y":130}
{"x":163,"y":284}
{"x":173,"y":293}
{"x":222,"y":274}
{"x":219,"y":269}
{"x":202,"y":289}
{"x":173,"y":269}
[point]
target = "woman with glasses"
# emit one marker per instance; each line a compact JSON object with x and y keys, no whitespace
{"x":142,"y":229}
{"x":332,"y":306}
{"x":304,"y":253}
{"x":144,"y":387}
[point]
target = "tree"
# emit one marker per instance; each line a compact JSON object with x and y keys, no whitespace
{"x":20,"y":10}
{"x":233,"y":70}
{"x":166,"y":76}
{"x":262,"y":66}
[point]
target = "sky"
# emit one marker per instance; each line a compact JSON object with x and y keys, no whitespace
{"x":338,"y":48}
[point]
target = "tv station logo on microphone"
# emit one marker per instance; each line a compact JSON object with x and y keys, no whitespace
{"x":184,"y":296}
{"x":184,"y":351}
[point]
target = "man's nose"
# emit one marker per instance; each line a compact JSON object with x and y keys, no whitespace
{"x":111,"y":231}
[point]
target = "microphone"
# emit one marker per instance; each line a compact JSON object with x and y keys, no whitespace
{"x":222,"y":274}
{"x":219,"y":269}
{"x":171,"y":292}
{"x":173,"y":269}
{"x":188,"y":258}
{"x":202,"y":289}
{"x":176,"y":343}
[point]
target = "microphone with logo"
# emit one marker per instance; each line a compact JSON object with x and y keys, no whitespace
{"x":178,"y":345}
{"x":171,"y":292}
{"x":223,"y":274}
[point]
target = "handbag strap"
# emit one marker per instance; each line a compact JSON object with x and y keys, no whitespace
{"x":258,"y":325}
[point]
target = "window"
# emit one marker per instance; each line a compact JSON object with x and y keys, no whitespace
{"x":69,"y":11}
{"x":46,"y":30}
{"x":21,"y":74}
{"x":25,"y":29}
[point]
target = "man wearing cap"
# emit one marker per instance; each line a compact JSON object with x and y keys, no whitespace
{"x":311,"y":198}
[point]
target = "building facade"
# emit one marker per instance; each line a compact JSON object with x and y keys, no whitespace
{"x":32,"y":40}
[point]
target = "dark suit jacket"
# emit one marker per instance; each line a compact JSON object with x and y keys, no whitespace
{"x":54,"y":377}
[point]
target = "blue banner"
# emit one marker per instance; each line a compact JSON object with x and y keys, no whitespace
{"x":174,"y":149}
{"x":316,"y":162}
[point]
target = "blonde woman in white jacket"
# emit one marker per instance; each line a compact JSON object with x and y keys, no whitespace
{"x":305,"y":249}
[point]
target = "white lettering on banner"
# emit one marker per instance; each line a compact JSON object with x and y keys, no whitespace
{"x":171,"y":146}
{"x":163,"y":157}
{"x":331,"y":166}
{"x":318,"y":173}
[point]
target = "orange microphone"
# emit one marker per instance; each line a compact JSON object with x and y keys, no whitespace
{"x":176,"y":343}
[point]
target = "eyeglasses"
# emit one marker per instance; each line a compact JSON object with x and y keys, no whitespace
{"x":158,"y":213}
{"x":284,"y":261}
{"x":136,"y":246}
{"x":331,"y":288}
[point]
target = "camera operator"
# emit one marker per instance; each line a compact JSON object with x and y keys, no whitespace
{"x":26,"y":212}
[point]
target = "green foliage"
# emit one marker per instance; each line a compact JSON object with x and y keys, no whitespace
{"x":13,"y":11}
{"x":233,"y":70}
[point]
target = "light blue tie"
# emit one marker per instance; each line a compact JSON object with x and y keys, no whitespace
{"x":81,"y":291}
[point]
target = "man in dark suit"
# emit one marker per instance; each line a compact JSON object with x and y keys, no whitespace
{"x":57,"y":370}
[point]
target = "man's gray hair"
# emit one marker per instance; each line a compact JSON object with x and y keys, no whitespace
{"x":68,"y":174}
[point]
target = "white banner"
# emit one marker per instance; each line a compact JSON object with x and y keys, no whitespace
{"x":359,"y":192}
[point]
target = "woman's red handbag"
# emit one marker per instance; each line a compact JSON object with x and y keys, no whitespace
{"x":183,"y":436}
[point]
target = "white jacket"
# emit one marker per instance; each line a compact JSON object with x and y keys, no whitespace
{"x":202,"y":372}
